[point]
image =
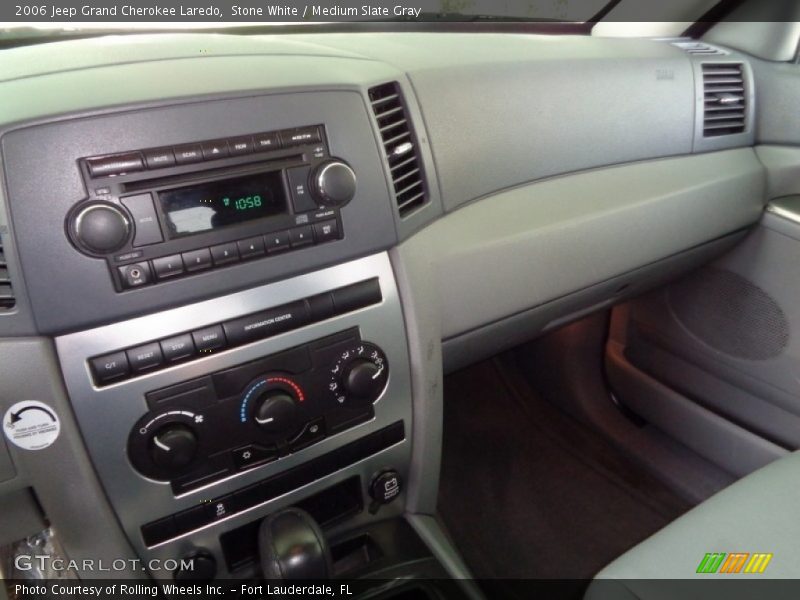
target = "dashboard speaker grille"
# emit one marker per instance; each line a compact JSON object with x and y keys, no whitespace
{"x":724,"y":99}
{"x":400,"y":147}
{"x":730,"y":314}
{"x":7,"y":300}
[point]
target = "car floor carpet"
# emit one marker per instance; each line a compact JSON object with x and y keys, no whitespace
{"x":528,"y":492}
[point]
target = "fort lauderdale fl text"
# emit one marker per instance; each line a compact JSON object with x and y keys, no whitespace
{"x":308,"y":11}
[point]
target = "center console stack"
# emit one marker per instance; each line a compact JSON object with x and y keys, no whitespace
{"x":227,"y":319}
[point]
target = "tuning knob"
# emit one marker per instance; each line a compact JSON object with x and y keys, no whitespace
{"x":333,"y":183}
{"x":173,"y":447}
{"x":99,"y":228}
{"x":275,"y":412}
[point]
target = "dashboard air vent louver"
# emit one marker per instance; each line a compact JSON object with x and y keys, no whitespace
{"x":400,"y":146}
{"x":7,"y":300}
{"x":724,"y":99}
{"x":698,"y":48}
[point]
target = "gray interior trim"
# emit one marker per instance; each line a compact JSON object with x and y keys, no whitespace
{"x":729,"y":446}
{"x":548,"y":236}
{"x":61,"y":475}
{"x":490,"y":339}
{"x":768,"y":30}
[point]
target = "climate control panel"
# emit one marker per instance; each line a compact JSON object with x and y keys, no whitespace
{"x":208,"y":428}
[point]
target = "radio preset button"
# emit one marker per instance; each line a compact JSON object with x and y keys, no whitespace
{"x":177,"y":348}
{"x":266,"y":141}
{"x":135,"y":275}
{"x":277,"y":242}
{"x":168,"y":266}
{"x":215,"y":149}
{"x":145,"y":221}
{"x":240,"y":145}
{"x":325,"y":231}
{"x":210,"y":338}
{"x":225,"y":254}
{"x":301,"y":236}
{"x":110,"y":367}
{"x":251,"y":247}
{"x":159,"y":159}
{"x":144,"y":357}
{"x":190,"y":153}
{"x":197,"y":260}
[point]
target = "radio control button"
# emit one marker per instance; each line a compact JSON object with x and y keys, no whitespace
{"x":251,"y":247}
{"x":325,"y":231}
{"x":240,"y":145}
{"x":144,"y":357}
{"x":115,"y":165}
{"x":266,"y":141}
{"x":135,"y":275}
{"x":215,"y":149}
{"x":158,"y":159}
{"x":210,"y":338}
{"x":197,"y":260}
{"x":110,"y":367}
{"x":190,"y":153}
{"x":298,"y":186}
{"x":300,"y":136}
{"x":168,"y":266}
{"x":177,"y":348}
{"x":145,"y":221}
{"x":301,"y":236}
{"x":277,"y":242}
{"x":225,"y":254}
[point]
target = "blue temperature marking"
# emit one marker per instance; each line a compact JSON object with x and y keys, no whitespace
{"x":243,"y":408}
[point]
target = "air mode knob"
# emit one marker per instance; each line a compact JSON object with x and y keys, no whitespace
{"x":333,"y":183}
{"x":173,"y":447}
{"x":99,"y":228}
{"x":364,"y":379}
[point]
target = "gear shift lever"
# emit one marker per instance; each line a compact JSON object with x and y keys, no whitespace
{"x":292,"y":546}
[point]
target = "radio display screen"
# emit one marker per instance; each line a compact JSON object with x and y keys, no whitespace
{"x":210,"y":206}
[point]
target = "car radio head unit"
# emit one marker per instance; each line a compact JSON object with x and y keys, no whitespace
{"x":162,"y":213}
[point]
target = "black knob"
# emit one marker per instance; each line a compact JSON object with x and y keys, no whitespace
{"x":276,"y":412}
{"x":333,"y":183}
{"x":173,"y":446}
{"x":364,"y":379}
{"x":99,"y":228}
{"x":292,"y":547}
{"x":199,"y":566}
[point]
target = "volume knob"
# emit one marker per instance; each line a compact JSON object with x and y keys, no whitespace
{"x":99,"y":228}
{"x":333,"y":183}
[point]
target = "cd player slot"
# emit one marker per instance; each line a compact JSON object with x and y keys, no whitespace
{"x":200,"y":175}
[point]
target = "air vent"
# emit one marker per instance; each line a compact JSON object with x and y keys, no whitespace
{"x":7,"y":300}
{"x":724,"y":99}
{"x":400,"y":146}
{"x":698,"y":48}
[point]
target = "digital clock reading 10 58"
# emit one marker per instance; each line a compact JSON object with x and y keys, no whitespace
{"x":209,"y":206}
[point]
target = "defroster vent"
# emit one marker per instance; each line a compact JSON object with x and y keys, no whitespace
{"x":400,"y":146}
{"x":7,"y":300}
{"x":724,"y":99}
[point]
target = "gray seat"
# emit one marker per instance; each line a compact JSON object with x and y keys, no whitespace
{"x":758,"y":514}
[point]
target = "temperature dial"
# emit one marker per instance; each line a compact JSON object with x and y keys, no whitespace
{"x":360,"y":374}
{"x":274,"y":404}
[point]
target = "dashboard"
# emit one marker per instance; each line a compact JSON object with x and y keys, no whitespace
{"x":246,"y":262}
